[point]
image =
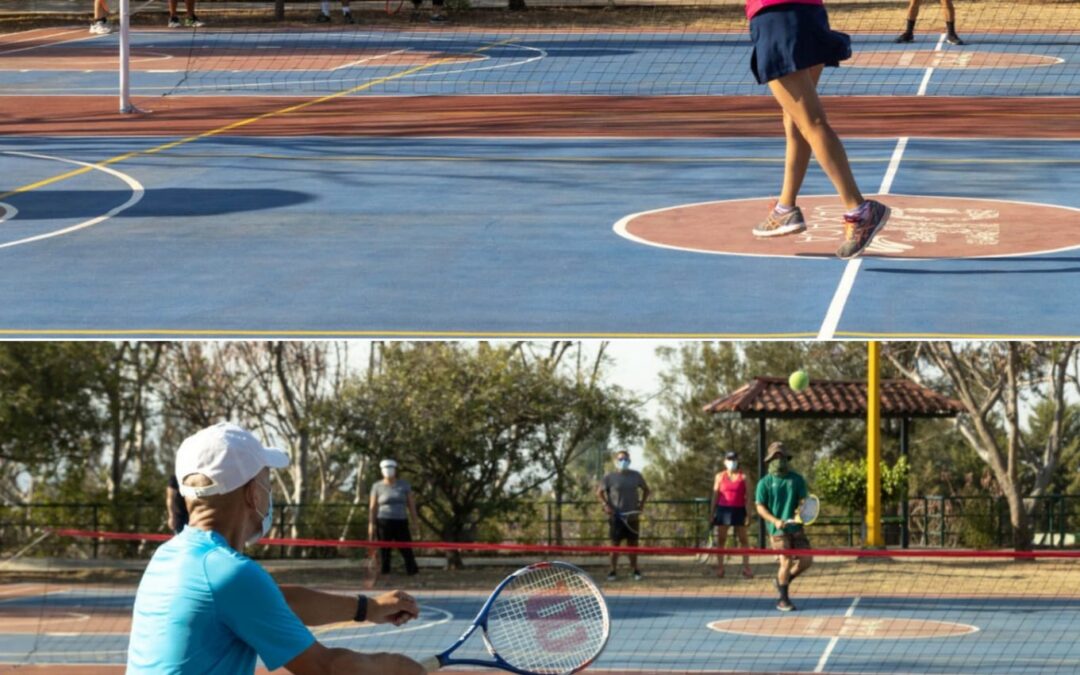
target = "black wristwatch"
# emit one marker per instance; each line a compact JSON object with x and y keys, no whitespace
{"x":361,"y":608}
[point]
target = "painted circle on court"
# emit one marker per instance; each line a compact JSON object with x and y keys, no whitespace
{"x":919,"y":227}
{"x":952,"y":59}
{"x":848,"y":627}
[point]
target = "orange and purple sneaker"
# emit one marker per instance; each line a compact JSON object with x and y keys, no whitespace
{"x":778,"y":224}
{"x":860,"y":227}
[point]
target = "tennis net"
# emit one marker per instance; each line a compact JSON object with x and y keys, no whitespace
{"x":857,"y":611}
{"x":571,"y":47}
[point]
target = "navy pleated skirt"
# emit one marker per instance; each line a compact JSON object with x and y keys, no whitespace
{"x":791,"y":37}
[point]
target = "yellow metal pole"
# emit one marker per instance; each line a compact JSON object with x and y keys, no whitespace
{"x":875,"y":537}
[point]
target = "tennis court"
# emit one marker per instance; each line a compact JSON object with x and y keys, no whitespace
{"x":900,"y":615}
{"x":396,"y":180}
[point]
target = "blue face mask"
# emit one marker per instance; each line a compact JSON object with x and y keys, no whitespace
{"x":267,"y":520}
{"x":623,"y":464}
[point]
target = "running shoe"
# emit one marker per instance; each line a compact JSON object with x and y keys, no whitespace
{"x":174,"y":22}
{"x":193,"y":22}
{"x":322,"y":18}
{"x":777,"y":225}
{"x":860,"y":231}
{"x":904,"y":37}
{"x":954,"y":39}
{"x":785,"y":606}
{"x":348,"y":18}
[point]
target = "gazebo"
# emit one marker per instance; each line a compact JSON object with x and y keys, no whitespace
{"x":766,"y":398}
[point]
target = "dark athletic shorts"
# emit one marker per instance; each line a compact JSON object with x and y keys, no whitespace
{"x":788,"y":38}
{"x":729,"y":515}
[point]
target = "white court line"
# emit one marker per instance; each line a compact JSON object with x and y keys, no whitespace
{"x":836,"y":638}
{"x":370,"y":58}
{"x":847,"y":279}
{"x":930,"y":70}
{"x":51,"y":44}
{"x":137,"y":192}
{"x":353,"y":635}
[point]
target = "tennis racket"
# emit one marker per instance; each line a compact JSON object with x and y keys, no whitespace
{"x":627,"y":517}
{"x":545,"y":619}
{"x":706,"y":558}
{"x":807,"y":512}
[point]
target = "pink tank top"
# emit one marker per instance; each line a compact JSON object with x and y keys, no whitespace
{"x":732,"y":492}
{"x":755,"y":6}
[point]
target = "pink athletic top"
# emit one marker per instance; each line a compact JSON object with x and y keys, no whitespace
{"x":755,"y":6}
{"x":731,"y":492}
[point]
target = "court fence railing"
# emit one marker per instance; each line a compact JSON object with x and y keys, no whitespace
{"x":976,"y":522}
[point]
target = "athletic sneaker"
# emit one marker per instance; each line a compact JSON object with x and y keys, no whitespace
{"x":437,"y":17}
{"x":637,"y":576}
{"x":322,"y":18}
{"x":611,"y":576}
{"x":954,"y":39}
{"x":193,"y":22}
{"x":904,"y":37}
{"x":174,"y":22}
{"x":860,"y":231}
{"x":101,"y":28}
{"x":785,"y":606}
{"x":777,"y":225}
{"x":348,"y":18}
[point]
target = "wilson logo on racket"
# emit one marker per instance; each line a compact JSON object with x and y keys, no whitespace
{"x":555,"y":620}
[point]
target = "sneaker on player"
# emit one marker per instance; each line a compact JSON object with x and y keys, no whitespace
{"x":322,"y":18}
{"x":101,"y":27}
{"x":637,"y":576}
{"x":437,"y":17}
{"x":348,"y":18}
{"x":611,"y":576}
{"x":785,"y":606}
{"x":954,"y":39}
{"x":861,"y":226}
{"x":904,"y":37}
{"x":777,"y":224}
{"x":193,"y":22}
{"x":174,"y":22}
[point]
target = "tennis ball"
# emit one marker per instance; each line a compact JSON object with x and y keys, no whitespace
{"x":799,"y":380}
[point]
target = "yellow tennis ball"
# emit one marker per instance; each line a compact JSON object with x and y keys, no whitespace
{"x":799,"y":380}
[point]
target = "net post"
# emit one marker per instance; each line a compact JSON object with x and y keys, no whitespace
{"x":125,"y":57}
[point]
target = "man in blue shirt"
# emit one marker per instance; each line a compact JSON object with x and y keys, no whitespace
{"x":204,"y":608}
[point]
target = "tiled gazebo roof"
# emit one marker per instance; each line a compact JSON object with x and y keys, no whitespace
{"x":772,"y":397}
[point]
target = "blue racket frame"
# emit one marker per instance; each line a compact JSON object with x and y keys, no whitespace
{"x":444,"y":658}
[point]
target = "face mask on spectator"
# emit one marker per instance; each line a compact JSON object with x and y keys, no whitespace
{"x":623,"y":464}
{"x":731,"y":464}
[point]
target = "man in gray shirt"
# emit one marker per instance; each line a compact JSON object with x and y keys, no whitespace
{"x":623,"y":493}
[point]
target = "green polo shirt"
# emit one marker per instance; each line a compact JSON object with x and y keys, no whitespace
{"x":781,"y":496}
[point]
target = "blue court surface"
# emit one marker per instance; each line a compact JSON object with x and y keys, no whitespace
{"x":438,"y":236}
{"x":655,"y":633}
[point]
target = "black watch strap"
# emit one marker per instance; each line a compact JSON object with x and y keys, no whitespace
{"x":361,"y":608}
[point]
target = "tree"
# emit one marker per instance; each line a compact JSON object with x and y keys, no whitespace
{"x":461,"y":423}
{"x":998,"y":382}
{"x":578,"y":413}
{"x":48,"y":420}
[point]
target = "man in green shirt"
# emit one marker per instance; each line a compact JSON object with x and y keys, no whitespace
{"x":778,"y":497}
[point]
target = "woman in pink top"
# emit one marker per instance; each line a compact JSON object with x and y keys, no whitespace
{"x":792,"y":43}
{"x":730,"y":495}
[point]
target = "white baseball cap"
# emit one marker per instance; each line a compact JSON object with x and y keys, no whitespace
{"x":228,"y":455}
{"x":388,"y":464}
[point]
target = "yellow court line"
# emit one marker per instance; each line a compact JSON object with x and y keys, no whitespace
{"x":951,"y":336}
{"x":235,"y":125}
{"x":81,"y":332}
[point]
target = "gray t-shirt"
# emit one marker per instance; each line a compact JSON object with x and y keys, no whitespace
{"x":622,"y":489}
{"x":393,"y":500}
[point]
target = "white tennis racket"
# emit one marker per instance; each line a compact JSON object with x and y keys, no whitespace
{"x":807,"y":512}
{"x":549,"y":618}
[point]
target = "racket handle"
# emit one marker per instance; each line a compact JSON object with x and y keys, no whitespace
{"x":431,"y":664}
